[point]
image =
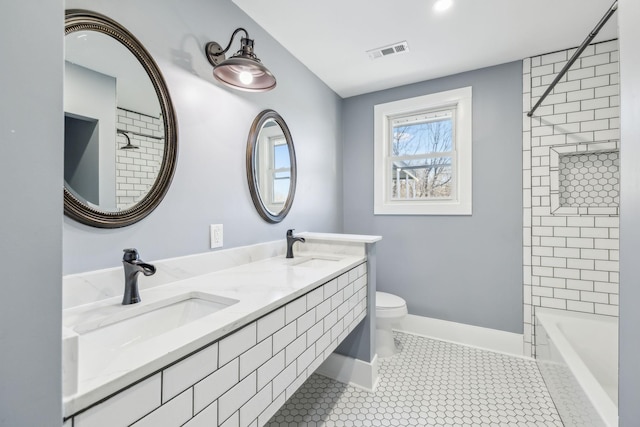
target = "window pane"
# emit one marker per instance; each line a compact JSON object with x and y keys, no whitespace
{"x":281,"y":156}
{"x":422,"y":178}
{"x":411,"y":139}
{"x":281,"y":172}
{"x":280,"y":190}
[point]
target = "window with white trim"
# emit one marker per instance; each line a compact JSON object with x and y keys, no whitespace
{"x":423,"y":155}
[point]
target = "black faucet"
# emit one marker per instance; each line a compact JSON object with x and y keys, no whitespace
{"x":290,"y":241}
{"x":132,"y":266}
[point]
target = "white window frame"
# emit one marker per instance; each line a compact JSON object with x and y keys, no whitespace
{"x":274,"y":142}
{"x":458,"y":100}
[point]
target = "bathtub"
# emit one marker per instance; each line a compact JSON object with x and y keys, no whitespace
{"x":577,"y":354}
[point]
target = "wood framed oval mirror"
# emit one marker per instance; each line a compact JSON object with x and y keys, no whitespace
{"x":271,"y":166}
{"x":120,"y":127}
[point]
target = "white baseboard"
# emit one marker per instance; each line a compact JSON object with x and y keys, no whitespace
{"x":474,"y":336}
{"x":355,"y":372}
{"x":364,"y":375}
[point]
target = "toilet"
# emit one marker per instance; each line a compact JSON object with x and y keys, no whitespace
{"x":390,"y":310}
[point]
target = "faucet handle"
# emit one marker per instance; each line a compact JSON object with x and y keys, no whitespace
{"x":130,"y":254}
{"x":290,"y":232}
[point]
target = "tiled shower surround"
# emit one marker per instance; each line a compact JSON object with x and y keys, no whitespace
{"x":570,"y":184}
{"x":244,"y":378}
{"x":137,"y":169}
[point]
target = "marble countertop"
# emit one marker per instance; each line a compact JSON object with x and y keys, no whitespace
{"x":259,"y":287}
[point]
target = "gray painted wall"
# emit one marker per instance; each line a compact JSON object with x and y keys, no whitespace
{"x":210,"y":185}
{"x":78,"y":83}
{"x":31,"y":142}
{"x":465,"y":269}
{"x":629,"y":371}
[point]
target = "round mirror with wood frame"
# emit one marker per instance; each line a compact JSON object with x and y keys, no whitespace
{"x":271,"y":166}
{"x":149,"y":140}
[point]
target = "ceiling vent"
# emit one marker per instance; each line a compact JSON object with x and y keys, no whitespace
{"x":393,"y":49}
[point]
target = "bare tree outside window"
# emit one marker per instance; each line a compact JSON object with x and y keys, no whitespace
{"x":422,"y":154}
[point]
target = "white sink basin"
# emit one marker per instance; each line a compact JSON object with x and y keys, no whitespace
{"x":93,"y":348}
{"x":145,"y":324}
{"x":315,"y":262}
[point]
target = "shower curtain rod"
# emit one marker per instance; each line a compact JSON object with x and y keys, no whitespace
{"x":576,"y":55}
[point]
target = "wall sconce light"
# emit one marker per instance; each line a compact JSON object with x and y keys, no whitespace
{"x":243,"y":70}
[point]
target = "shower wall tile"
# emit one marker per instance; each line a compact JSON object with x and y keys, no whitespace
{"x":137,"y":169}
{"x":570,"y":255}
{"x":528,"y":144}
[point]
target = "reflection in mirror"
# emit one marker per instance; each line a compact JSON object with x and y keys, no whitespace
{"x":120,"y":139}
{"x":123,"y":105}
{"x":271,"y":166}
{"x":274,"y":166}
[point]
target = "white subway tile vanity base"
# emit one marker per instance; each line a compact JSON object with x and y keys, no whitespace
{"x":237,"y":378}
{"x":243,"y":372}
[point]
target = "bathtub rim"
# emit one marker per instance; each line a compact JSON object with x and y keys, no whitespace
{"x":599,"y":398}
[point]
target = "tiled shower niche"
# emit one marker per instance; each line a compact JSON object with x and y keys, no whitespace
{"x":589,"y":179}
{"x":585,"y":178}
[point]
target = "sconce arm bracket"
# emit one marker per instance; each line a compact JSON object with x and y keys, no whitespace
{"x":215,"y":53}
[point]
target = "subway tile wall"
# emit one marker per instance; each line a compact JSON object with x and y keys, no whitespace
{"x":137,"y":169}
{"x":570,"y":253}
{"x":244,"y":378}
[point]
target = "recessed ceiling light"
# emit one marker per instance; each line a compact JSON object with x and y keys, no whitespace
{"x":442,"y":5}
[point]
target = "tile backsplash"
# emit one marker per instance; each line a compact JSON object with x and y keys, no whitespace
{"x":571,"y":226}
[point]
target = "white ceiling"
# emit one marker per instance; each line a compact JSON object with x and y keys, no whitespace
{"x":331,"y":37}
{"x":103,"y":54}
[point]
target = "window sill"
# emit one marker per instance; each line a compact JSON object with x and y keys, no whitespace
{"x":423,"y":208}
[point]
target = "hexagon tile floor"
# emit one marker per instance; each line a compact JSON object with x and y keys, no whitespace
{"x":429,"y":383}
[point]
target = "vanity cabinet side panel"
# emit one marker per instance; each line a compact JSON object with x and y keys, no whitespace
{"x":361,"y":343}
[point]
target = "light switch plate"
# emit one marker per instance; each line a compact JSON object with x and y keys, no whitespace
{"x":216,"y":235}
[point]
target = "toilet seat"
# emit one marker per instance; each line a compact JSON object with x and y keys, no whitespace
{"x":389,"y":306}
